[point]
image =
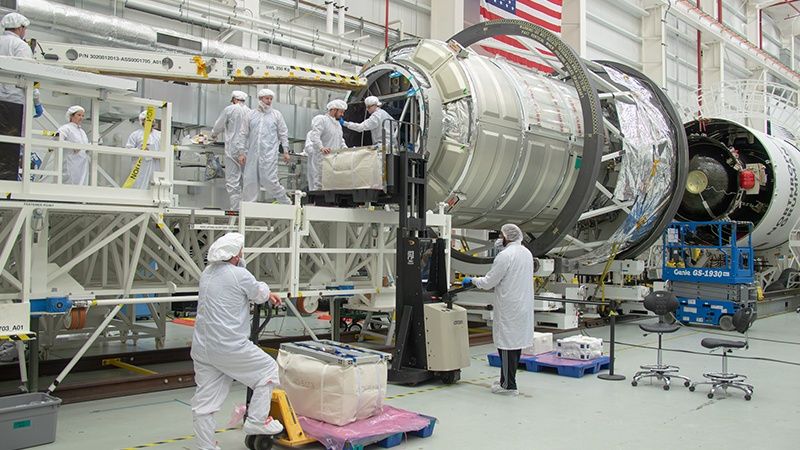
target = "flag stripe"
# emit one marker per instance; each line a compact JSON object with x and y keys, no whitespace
{"x":541,"y":8}
{"x":523,"y":53}
{"x":516,"y":43}
{"x":518,"y":59}
{"x":491,"y":15}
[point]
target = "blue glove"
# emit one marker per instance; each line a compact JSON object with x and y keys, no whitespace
{"x":467,"y":281}
{"x":38,"y":110}
{"x":341,"y":121}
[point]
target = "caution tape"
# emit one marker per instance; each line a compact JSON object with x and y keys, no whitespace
{"x":342,"y":79}
{"x":18,"y":337}
{"x":148,"y":127}
{"x":188,"y":437}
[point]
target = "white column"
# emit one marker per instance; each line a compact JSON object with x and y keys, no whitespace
{"x":654,"y":49}
{"x":447,"y":18}
{"x":573,"y":25}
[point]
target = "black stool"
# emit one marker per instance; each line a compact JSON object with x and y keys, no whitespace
{"x":742,"y":320}
{"x":661,"y":303}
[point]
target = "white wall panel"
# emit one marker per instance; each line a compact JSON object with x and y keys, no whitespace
{"x":613,"y":30}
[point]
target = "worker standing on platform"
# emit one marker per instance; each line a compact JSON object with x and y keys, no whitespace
{"x":263,"y":131}
{"x":76,"y":161}
{"x":324,"y":136}
{"x":229,"y":124}
{"x":378,"y":123}
{"x":12,"y":98}
{"x":511,"y":276}
{"x":221,"y":350}
{"x":143,"y":167}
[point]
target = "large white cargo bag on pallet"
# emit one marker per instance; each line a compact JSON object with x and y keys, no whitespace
{"x":353,"y":168}
{"x":336,"y":385}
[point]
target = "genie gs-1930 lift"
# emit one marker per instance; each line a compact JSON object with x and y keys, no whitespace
{"x":709,"y":266}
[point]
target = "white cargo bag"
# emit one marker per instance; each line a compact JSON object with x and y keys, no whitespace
{"x":580,"y":347}
{"x":332,"y":393}
{"x":353,"y":168}
{"x":542,"y":343}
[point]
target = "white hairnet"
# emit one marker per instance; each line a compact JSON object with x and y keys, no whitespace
{"x":14,"y":20}
{"x":336,"y":104}
{"x":266,"y":93}
{"x":372,"y":100}
{"x":142,"y":116}
{"x":511,"y":232}
{"x":73,"y":109}
{"x":226,"y":247}
{"x":239,"y":95}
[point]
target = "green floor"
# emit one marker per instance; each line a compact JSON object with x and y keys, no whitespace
{"x":552,"y":412}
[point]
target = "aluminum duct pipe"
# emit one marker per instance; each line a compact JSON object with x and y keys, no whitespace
{"x":109,"y":29}
{"x":586,"y":158}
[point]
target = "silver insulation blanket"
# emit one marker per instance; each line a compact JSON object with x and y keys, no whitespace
{"x":646,"y":175}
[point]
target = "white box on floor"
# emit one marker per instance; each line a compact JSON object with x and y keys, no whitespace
{"x":542,"y":343}
{"x":580,"y":347}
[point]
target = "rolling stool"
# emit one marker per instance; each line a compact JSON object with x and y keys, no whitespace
{"x":742,"y":320}
{"x":661,"y":303}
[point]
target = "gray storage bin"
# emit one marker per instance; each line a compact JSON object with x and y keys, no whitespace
{"x":28,"y":420}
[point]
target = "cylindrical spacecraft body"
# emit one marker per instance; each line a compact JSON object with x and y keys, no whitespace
{"x":738,"y":173}
{"x":507,"y":144}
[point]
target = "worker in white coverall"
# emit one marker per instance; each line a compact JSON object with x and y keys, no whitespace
{"x":12,"y":98}
{"x":221,"y":350}
{"x":377,"y":124}
{"x":263,"y":131}
{"x":511,"y":276}
{"x":324,"y":136}
{"x":75,"y":169}
{"x":229,"y":124}
{"x":146,"y":165}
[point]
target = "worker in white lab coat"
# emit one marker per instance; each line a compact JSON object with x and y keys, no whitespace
{"x":221,"y":350}
{"x":377,"y":124}
{"x":229,"y":124}
{"x":263,"y":131}
{"x":143,"y":168}
{"x":12,"y":98}
{"x":75,"y":169}
{"x":511,"y":276}
{"x":324,"y":136}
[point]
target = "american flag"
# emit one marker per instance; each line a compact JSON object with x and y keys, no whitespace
{"x":545,"y":13}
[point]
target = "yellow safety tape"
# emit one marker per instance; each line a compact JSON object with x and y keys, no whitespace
{"x":18,"y":337}
{"x":148,"y":127}
{"x":188,"y":437}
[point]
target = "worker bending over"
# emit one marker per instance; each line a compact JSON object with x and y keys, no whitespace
{"x":76,"y":161}
{"x":12,"y":98}
{"x":324,"y":136}
{"x":143,"y":167}
{"x":230,"y":124}
{"x":378,"y":123}
{"x":263,"y":131}
{"x":221,"y":350}
{"x":511,"y":276}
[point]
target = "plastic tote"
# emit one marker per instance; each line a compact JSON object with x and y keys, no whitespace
{"x":28,"y":420}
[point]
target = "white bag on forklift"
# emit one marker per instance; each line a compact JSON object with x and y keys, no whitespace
{"x":332,"y":393}
{"x":353,"y":168}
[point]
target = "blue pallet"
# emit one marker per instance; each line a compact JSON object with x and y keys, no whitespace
{"x":396,"y":439}
{"x":564,"y":367}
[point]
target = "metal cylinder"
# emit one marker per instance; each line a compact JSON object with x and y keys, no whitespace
{"x":720,"y":151}
{"x":507,"y":144}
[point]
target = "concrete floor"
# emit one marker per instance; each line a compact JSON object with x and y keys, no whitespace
{"x":552,"y":412}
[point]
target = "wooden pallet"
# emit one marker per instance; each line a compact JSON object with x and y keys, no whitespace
{"x":564,"y":367}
